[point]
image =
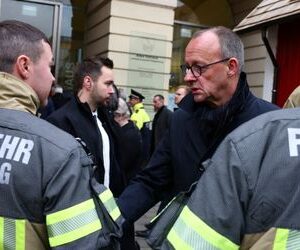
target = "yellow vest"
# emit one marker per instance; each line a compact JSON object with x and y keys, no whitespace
{"x":139,"y":115}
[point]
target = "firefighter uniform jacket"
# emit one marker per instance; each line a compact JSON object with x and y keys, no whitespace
{"x":249,"y":194}
{"x":47,"y":197}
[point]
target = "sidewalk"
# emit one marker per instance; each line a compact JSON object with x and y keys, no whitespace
{"x":139,"y":225}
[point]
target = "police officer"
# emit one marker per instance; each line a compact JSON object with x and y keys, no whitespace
{"x":139,"y":115}
{"x":47,"y":198}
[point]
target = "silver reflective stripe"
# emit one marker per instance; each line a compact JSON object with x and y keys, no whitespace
{"x":12,"y":234}
{"x":9,"y":234}
{"x":185,"y":237}
{"x":191,"y":232}
{"x":286,"y":239}
{"x":293,"y":241}
{"x":72,"y":224}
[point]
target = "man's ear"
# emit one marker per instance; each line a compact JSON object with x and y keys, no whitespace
{"x":232,"y":67}
{"x":23,"y":66}
{"x":87,"y":82}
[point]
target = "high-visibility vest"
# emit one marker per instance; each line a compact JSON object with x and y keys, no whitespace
{"x":139,"y":115}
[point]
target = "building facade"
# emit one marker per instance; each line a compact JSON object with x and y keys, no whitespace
{"x":145,"y":38}
{"x":271,"y":31}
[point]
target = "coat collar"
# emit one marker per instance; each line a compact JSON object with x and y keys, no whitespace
{"x":205,"y":125}
{"x":83,"y":106}
{"x":102,"y":112}
{"x":160,"y":110}
{"x":16,"y":94}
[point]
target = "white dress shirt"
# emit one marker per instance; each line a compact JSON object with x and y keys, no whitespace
{"x":105,"y":150}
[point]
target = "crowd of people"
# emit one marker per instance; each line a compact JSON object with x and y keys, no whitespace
{"x":80,"y":177}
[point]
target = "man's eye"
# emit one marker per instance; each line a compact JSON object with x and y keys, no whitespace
{"x":197,"y":67}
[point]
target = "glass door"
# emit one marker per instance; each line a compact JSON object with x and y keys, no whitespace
{"x":45,"y":15}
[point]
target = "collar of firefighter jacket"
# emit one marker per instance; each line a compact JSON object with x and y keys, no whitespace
{"x":17,"y":95}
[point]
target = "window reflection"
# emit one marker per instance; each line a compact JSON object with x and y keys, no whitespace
{"x":72,"y":46}
{"x":186,"y":23}
{"x":182,"y":34}
{"x":37,"y":14}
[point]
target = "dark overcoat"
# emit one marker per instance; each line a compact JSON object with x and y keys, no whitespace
{"x":76,"y":118}
{"x":195,"y":132}
{"x":160,"y":125}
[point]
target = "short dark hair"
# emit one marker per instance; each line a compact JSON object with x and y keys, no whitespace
{"x":90,"y":67}
{"x":161,"y":97}
{"x":19,"y":38}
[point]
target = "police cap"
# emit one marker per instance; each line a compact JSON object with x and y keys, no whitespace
{"x":135,"y":94}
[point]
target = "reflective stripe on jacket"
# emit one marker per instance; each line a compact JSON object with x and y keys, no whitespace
{"x":248,"y":196}
{"x":190,"y":232}
{"x":72,"y":223}
{"x":48,"y":196}
{"x":63,"y":227}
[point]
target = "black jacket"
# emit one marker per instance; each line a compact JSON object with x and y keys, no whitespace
{"x":129,"y":149}
{"x":195,"y":132}
{"x":160,"y":125}
{"x":76,"y":118}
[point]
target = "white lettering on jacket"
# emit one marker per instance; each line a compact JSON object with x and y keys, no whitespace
{"x":5,"y":169}
{"x":15,"y":148}
{"x":294,"y":141}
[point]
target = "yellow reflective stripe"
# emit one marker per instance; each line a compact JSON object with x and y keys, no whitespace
{"x":106,"y":195}
{"x":115,"y":214}
{"x":70,"y":212}
{"x":75,"y":234}
{"x":20,"y":234}
{"x":206,"y":231}
{"x":281,"y":238}
{"x":158,"y":215}
{"x":177,"y":242}
{"x":72,"y":223}
{"x":196,"y":232}
{"x":286,"y":239}
{"x":110,"y":204}
{"x":1,"y":233}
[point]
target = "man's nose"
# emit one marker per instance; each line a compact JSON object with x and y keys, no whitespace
{"x":111,"y":90}
{"x":189,"y":77}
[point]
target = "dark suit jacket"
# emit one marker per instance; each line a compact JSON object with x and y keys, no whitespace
{"x":129,"y":149}
{"x":76,"y":118}
{"x":160,"y":125}
{"x":195,"y":132}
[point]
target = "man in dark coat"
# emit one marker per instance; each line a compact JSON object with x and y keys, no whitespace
{"x":220,"y":100}
{"x":84,"y":115}
{"x":161,"y":121}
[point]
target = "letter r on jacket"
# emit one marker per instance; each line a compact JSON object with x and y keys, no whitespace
{"x":294,"y":141}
